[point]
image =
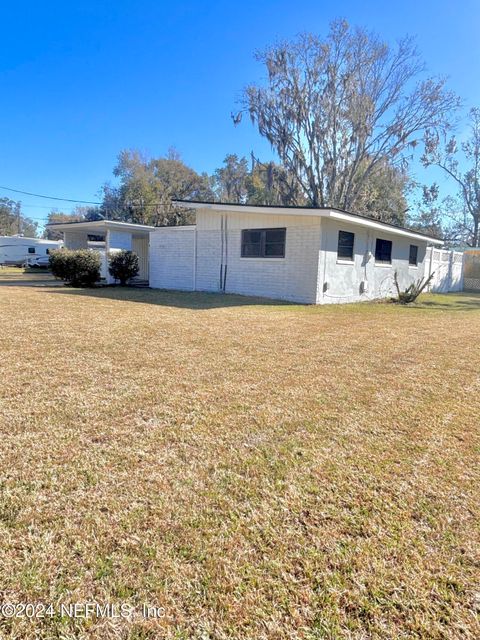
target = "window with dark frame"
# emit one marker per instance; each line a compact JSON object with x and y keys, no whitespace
{"x":31,"y":249}
{"x":263,"y":243}
{"x":346,"y":241}
{"x":383,"y":251}
{"x":413,"y":256}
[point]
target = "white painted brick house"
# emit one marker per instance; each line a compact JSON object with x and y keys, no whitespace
{"x":300,"y":254}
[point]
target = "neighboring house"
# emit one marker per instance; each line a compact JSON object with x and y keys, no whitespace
{"x":116,"y":236}
{"x":300,"y":254}
{"x":17,"y":250}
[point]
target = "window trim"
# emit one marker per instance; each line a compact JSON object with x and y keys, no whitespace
{"x":383,"y":263}
{"x":263,"y":243}
{"x":413,"y":265}
{"x":346,"y":260}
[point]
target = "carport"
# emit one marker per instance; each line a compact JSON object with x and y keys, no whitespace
{"x":106,"y":236}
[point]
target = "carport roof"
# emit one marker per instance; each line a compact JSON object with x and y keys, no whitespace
{"x":100,"y":226}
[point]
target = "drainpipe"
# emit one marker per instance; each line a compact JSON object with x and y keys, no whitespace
{"x":220,"y":288}
{"x":226,"y":256}
{"x":323,"y":243}
{"x":195,"y":258}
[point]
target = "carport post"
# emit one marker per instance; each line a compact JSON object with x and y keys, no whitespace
{"x":107,"y":252}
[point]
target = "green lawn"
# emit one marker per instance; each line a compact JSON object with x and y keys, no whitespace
{"x":258,"y":470}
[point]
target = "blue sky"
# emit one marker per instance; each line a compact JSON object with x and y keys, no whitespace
{"x":83,"y":80}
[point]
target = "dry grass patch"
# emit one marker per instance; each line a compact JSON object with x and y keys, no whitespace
{"x":16,"y":276}
{"x":259,"y":470}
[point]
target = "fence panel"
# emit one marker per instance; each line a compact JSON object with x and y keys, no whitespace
{"x":447,"y":267}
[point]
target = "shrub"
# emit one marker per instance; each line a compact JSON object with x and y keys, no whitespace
{"x":123,"y":266}
{"x":412,"y":292}
{"x":80,"y":268}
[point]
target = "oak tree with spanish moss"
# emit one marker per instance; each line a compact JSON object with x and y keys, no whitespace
{"x":337,"y":109}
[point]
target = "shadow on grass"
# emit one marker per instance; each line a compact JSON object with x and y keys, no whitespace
{"x":180,"y":299}
{"x":449,"y":302}
{"x":27,"y":278}
{"x":205,"y":300}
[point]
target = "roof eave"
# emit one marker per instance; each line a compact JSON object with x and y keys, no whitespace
{"x":337,"y":214}
{"x":385,"y":228}
{"x":99,"y":224}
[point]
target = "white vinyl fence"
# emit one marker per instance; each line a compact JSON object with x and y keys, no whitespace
{"x":447,"y":267}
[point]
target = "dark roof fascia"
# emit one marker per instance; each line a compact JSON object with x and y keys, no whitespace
{"x":297,"y":207}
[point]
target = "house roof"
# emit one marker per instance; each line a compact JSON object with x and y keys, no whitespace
{"x":100,"y":226}
{"x":323,"y":212}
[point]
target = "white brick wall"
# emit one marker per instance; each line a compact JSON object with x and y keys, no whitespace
{"x":172,"y":251}
{"x":208,"y":260}
{"x":291,"y":278}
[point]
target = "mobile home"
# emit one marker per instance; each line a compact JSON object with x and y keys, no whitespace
{"x":17,"y":250}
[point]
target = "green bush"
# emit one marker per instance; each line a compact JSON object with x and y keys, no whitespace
{"x":80,"y":268}
{"x":123,"y":266}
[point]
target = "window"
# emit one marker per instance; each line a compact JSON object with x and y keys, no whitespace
{"x":413,"y":257}
{"x":31,"y":249}
{"x":383,"y":251}
{"x":263,"y":243}
{"x":47,"y":252}
{"x":345,"y":245}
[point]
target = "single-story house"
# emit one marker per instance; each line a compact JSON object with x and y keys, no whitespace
{"x":113,"y":235}
{"x":300,"y":254}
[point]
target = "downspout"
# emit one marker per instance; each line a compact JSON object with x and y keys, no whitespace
{"x":221,"y":254}
{"x":226,"y":256}
{"x":324,"y":281}
{"x":195,"y":258}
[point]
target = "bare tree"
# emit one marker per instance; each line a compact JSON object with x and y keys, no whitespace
{"x":335,"y":110}
{"x":464,"y":209}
